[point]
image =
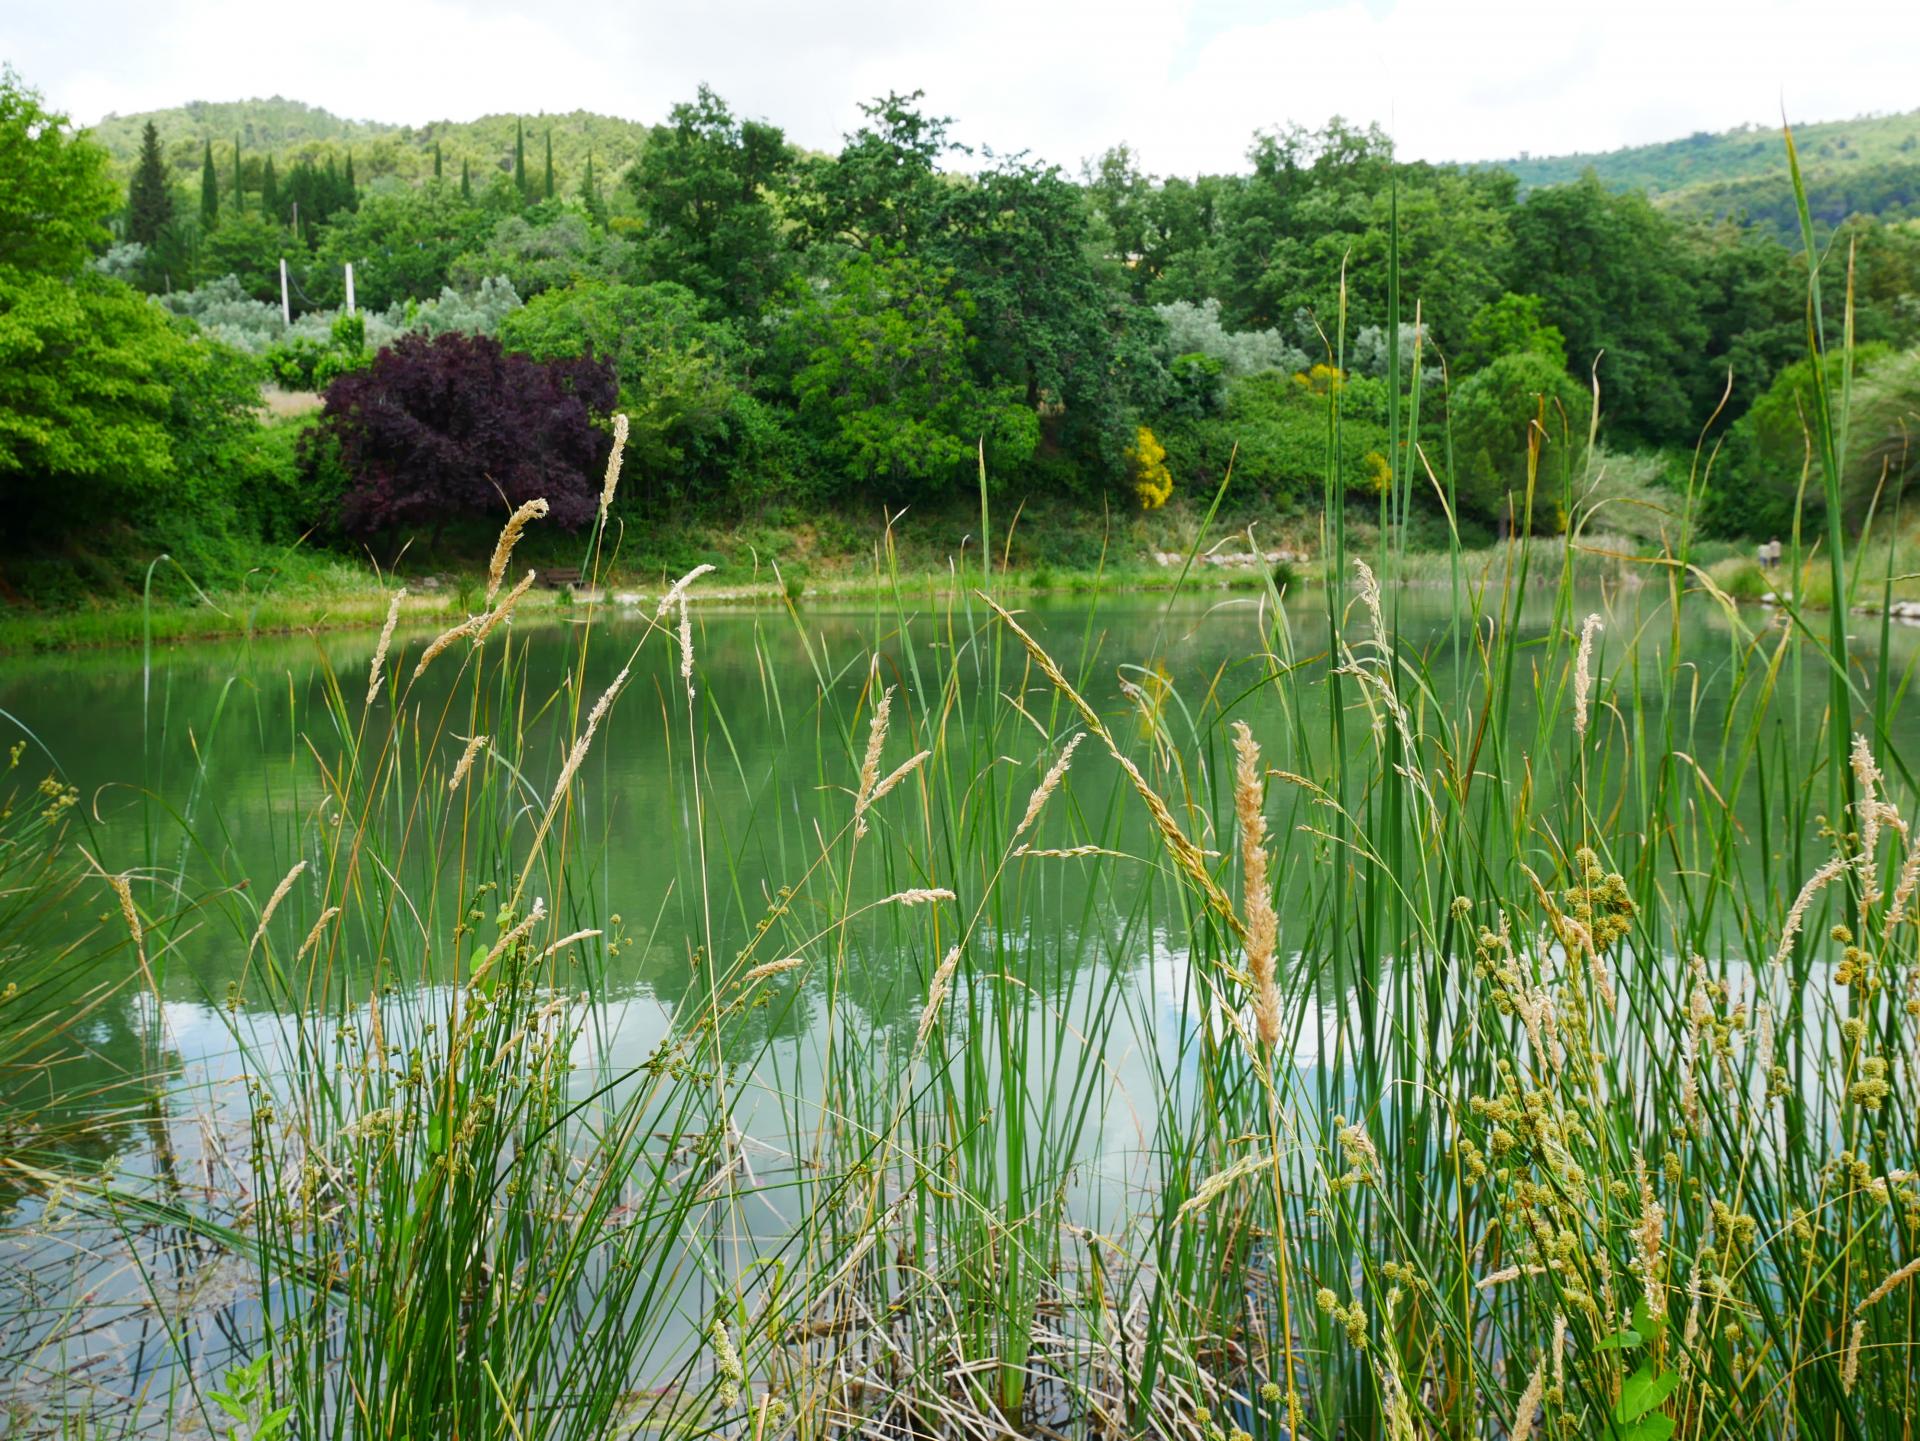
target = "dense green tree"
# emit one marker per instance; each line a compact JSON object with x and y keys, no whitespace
{"x":1496,"y":414}
{"x":247,"y":247}
{"x":1622,"y":286}
{"x":591,"y":200}
{"x":239,"y":179}
{"x":885,"y":189}
{"x":89,"y":426}
{"x":55,"y":187}
{"x":544,"y":247}
{"x":548,"y":193}
{"x":436,"y":160}
{"x":1511,"y":325}
{"x":209,"y":192}
{"x":706,"y":186}
{"x":401,"y":243}
{"x":1045,"y":325}
{"x":882,"y":373}
{"x":520,"y":159}
{"x":149,"y":193}
{"x":270,"y":189}
{"x":466,"y":181}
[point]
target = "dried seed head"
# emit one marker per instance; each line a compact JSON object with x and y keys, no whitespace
{"x":1798,"y":912}
{"x":1370,"y":598}
{"x":386,"y":639}
{"x":446,"y":638}
{"x":1048,"y":784}
{"x":474,"y":746}
{"x":918,"y":897}
{"x":677,"y":590}
{"x":1262,"y":924}
{"x":771,"y":968}
{"x":509,"y":537}
{"x":1583,"y":674}
{"x":1524,"y":1413}
{"x":898,"y":774}
{"x":614,"y":457}
{"x":936,"y":995}
{"x":273,"y":901}
{"x":500,"y":612}
{"x":686,"y":647}
{"x":870,"y":764}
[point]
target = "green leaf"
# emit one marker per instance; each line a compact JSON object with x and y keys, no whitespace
{"x":1650,"y":1428}
{"x":1646,"y":1323}
{"x":1617,"y":1340}
{"x":1644,"y":1390}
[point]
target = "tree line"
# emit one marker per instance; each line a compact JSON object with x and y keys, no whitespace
{"x":830,"y":330}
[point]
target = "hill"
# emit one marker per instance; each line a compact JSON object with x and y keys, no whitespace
{"x":1865,"y":166}
{"x":290,"y":131}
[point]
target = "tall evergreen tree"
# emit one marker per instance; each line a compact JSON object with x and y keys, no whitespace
{"x":436,"y":160}
{"x":466,"y":181}
{"x":239,"y":185}
{"x":209,"y":191}
{"x":520,"y":160}
{"x":270,"y":190}
{"x":149,"y":198}
{"x":353,"y":191}
{"x":590,"y":195}
{"x":549,"y":163}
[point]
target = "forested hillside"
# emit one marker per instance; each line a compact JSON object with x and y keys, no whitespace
{"x":1865,"y":166}
{"x":290,"y":133}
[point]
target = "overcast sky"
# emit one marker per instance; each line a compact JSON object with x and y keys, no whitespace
{"x":1183,"y":81}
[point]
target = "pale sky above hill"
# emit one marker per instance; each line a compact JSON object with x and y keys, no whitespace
{"x":1183,"y":81}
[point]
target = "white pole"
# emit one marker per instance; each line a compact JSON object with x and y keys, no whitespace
{"x":286,"y":308}
{"x":349,"y":287}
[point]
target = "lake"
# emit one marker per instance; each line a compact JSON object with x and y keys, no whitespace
{"x":701,"y":823}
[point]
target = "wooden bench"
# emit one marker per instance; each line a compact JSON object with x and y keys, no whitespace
{"x":558,"y":579}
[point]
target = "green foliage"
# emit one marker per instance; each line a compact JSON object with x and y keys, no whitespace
{"x":402,"y":244}
{"x":882,"y":375}
{"x":1618,"y":282}
{"x":704,"y":187}
{"x":108,"y":407}
{"x":247,"y":246}
{"x":1512,"y":325}
{"x":1750,"y":155}
{"x":546,"y":248}
{"x":1280,"y":425}
{"x":55,"y":192}
{"x":1496,"y":414}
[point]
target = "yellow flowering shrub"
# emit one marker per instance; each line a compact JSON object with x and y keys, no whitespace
{"x":1147,"y":458}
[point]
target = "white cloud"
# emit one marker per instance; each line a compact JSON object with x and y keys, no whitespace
{"x":1185,"y":82}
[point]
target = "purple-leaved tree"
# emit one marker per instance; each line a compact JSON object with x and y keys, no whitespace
{"x":450,"y":426}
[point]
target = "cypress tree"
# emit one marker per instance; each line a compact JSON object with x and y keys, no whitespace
{"x":436,"y":160}
{"x":590,"y":195}
{"x":520,"y":160}
{"x":270,"y":191}
{"x":353,"y":191}
{"x":466,"y":184}
{"x":149,"y":200}
{"x":549,"y":163}
{"x":239,"y":188}
{"x":209,"y":191}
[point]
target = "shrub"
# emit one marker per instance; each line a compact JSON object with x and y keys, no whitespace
{"x":451,"y":425}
